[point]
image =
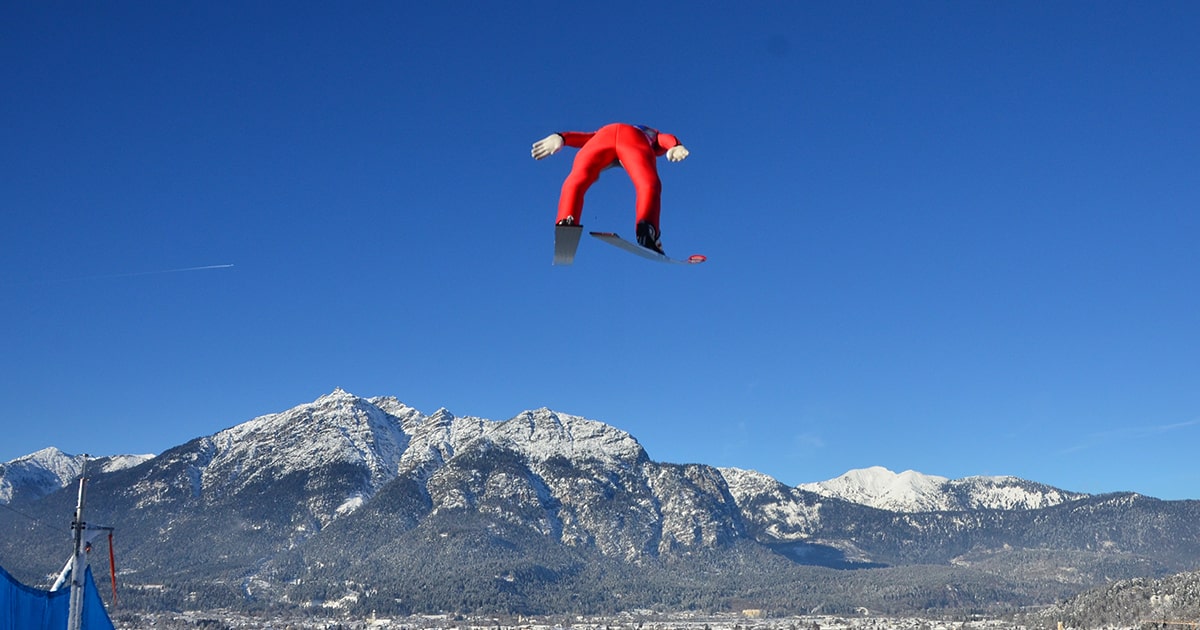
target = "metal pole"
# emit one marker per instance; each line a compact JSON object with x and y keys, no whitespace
{"x":79,"y":564}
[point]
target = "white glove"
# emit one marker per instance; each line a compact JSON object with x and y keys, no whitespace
{"x":547,"y":146}
{"x":677,"y":153}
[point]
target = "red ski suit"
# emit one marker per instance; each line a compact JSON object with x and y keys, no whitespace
{"x":618,"y":144}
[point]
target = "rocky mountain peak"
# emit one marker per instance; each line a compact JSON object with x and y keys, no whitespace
{"x":545,"y":434}
{"x":338,"y":428}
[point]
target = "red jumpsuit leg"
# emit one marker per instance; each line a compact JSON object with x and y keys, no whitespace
{"x":637,"y":156}
{"x":593,"y":157}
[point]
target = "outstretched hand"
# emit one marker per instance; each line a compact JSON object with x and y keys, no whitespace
{"x":677,"y":153}
{"x":547,"y":146}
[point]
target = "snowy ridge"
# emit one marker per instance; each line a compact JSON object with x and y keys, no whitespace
{"x":911,"y":491}
{"x":48,"y":470}
{"x":744,"y":483}
{"x":387,"y":439}
{"x":784,"y":513}
{"x":121,"y":462}
{"x":336,"y":428}
{"x":544,"y":434}
{"x":540,"y":434}
{"x":878,"y":487}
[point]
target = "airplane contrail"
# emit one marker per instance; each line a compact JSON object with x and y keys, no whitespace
{"x":110,"y":276}
{"x":160,"y":271}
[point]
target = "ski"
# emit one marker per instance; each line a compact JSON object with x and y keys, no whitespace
{"x":634,"y":248}
{"x":566,"y":241}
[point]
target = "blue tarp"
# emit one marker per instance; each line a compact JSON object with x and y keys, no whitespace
{"x":26,"y":608}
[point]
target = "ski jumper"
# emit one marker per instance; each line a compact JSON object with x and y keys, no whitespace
{"x":633,"y":147}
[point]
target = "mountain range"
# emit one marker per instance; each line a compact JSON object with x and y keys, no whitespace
{"x":369,"y":505}
{"x":49,"y":470}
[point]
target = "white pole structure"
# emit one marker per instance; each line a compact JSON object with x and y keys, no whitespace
{"x":79,"y":561}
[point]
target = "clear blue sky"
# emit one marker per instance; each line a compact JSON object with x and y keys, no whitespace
{"x":954,"y":237}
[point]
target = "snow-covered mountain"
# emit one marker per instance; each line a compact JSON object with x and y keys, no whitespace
{"x":911,"y":491}
{"x":437,"y":512}
{"x":335,"y":430}
{"x":49,"y":470}
{"x":305,"y":468}
{"x":377,"y":434}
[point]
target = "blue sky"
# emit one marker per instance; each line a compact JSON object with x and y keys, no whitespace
{"x":953,"y":237}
